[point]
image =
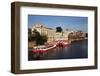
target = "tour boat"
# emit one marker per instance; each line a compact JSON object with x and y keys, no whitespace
{"x":63,"y":43}
{"x":40,"y":49}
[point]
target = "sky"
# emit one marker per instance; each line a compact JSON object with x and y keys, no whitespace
{"x":66,"y":22}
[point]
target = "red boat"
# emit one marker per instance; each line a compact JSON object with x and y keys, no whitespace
{"x":42,"y":49}
{"x":63,"y":43}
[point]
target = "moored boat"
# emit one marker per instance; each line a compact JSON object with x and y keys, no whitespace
{"x":63,"y":43}
{"x":42,"y":49}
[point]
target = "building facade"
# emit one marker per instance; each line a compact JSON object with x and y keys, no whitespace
{"x":51,"y":33}
{"x":55,"y":36}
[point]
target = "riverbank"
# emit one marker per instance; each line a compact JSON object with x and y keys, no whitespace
{"x":32,"y":44}
{"x":74,"y":40}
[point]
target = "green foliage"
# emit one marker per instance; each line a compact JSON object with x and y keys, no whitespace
{"x":86,"y":35}
{"x":29,"y":34}
{"x":39,"y":39}
{"x":59,"y":29}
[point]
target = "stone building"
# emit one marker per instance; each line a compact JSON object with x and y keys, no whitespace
{"x":52,"y":34}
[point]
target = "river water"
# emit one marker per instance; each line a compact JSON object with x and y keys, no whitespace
{"x":77,"y":49}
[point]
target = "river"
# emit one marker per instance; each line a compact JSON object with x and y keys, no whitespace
{"x":76,"y":50}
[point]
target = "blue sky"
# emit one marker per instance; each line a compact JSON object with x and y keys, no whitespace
{"x":66,"y":22}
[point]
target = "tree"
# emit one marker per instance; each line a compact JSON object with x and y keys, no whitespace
{"x":59,"y":29}
{"x":40,"y":40}
{"x":29,"y":34}
{"x":86,"y":34}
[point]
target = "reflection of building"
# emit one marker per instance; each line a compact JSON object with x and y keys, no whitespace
{"x":53,"y":35}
